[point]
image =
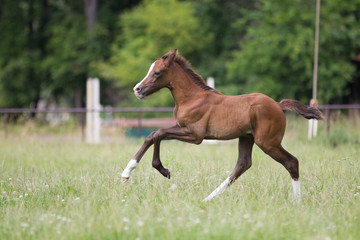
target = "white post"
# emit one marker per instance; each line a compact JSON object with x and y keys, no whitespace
{"x":312,"y":132}
{"x":93,"y":110}
{"x":315,"y":127}
{"x":313,"y":123}
{"x":97,"y":108}
{"x":89,"y":104}
{"x":210,"y":81}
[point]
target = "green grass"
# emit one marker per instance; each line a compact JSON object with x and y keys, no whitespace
{"x":57,"y":189}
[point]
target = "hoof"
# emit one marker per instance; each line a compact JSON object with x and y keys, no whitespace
{"x":166,"y":173}
{"x":124,"y":179}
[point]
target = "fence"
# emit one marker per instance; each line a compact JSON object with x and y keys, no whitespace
{"x":82,"y":112}
{"x":139,"y":111}
{"x":329,"y":108}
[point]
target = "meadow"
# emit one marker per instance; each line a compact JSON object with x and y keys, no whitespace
{"x":62,"y":188}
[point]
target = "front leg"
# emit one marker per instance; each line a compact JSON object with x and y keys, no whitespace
{"x":156,"y":162}
{"x":136,"y":159}
{"x":174,"y":132}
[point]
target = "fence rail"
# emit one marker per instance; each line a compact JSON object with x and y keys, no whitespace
{"x":84,"y":110}
{"x":339,"y":107}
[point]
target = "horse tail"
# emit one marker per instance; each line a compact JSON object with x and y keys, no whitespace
{"x":308,"y":112}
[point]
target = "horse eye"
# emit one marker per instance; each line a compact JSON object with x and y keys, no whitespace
{"x":157,"y":74}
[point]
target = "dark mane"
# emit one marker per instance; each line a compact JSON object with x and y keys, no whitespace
{"x":198,"y":80}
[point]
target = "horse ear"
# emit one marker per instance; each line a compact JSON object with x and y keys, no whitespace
{"x":170,"y":56}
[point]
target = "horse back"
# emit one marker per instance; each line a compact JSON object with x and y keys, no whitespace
{"x":234,"y":116}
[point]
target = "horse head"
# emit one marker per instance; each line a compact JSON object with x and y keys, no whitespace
{"x":157,"y":77}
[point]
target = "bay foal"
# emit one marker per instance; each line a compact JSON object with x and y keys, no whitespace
{"x":201,"y":112}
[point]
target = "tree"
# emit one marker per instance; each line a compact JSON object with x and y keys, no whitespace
{"x":148,"y":31}
{"x":76,"y":42}
{"x":218,"y":17}
{"x":22,"y":48}
{"x":46,"y":51}
{"x":276,"y":56}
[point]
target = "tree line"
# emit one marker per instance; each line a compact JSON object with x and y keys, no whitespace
{"x":48,"y":48}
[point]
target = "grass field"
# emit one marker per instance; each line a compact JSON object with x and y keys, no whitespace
{"x":56,"y":189}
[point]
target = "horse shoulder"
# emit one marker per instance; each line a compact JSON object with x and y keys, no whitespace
{"x":195,"y":115}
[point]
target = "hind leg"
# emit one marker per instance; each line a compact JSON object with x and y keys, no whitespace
{"x":268,"y":123}
{"x":244,"y":160}
{"x":291,"y":164}
{"x":243,"y":164}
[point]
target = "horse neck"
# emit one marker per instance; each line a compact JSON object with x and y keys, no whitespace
{"x":183,"y":88}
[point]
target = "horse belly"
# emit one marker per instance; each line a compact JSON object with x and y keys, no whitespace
{"x":228,"y":126}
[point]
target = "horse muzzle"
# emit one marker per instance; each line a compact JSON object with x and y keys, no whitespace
{"x":139,"y":92}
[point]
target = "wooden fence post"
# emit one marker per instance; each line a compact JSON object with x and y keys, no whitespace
{"x":6,"y":118}
{"x":82,"y":121}
{"x":328,"y":114}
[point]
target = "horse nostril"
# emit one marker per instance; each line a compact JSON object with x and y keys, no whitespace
{"x":138,"y":89}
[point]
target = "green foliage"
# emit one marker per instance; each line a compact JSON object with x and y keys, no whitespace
{"x":276,"y":56}
{"x":149,"y":31}
{"x":72,"y":50}
{"x":339,"y":42}
{"x":218,"y":17}
{"x":21,"y":26}
{"x":47,"y":52}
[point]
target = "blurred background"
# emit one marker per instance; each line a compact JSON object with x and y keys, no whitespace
{"x":48,"y":48}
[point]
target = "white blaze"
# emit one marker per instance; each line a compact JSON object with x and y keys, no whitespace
{"x":219,"y":190}
{"x":150,"y":69}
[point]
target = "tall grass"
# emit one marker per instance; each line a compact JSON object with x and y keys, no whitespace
{"x":56,"y":189}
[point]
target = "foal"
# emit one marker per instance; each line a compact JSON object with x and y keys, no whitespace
{"x":201,"y":112}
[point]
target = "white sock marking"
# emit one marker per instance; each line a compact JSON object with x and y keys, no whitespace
{"x":150,"y":69}
{"x":129,"y":168}
{"x":297,"y":190}
{"x":219,"y":190}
